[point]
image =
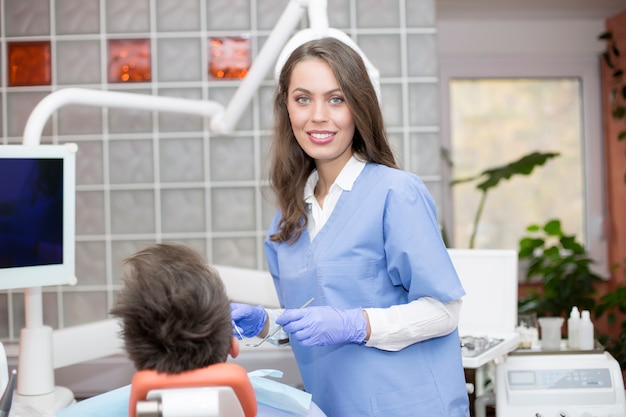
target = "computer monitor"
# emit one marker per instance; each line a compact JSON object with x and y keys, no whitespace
{"x":37,"y":215}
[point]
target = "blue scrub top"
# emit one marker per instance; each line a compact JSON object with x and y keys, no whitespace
{"x":381,"y":246}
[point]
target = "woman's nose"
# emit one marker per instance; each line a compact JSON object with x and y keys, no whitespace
{"x":320,"y":113}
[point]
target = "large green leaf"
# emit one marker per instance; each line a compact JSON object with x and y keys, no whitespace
{"x":523,"y":166}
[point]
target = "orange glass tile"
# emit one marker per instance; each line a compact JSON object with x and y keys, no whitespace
{"x":229,"y":57}
{"x":129,"y":60}
{"x":29,"y":63}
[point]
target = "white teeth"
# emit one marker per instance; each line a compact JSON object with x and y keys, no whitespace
{"x":321,"y":135}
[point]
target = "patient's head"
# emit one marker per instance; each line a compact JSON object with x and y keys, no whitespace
{"x":174,"y":310}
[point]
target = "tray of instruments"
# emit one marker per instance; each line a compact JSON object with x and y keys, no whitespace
{"x":477,"y":349}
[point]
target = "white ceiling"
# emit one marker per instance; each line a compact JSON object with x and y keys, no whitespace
{"x":524,"y":9}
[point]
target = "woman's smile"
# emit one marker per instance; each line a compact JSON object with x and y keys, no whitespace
{"x":321,"y":138}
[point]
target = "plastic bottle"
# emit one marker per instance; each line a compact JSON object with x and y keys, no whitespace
{"x":585,"y":332}
{"x":573,"y":324}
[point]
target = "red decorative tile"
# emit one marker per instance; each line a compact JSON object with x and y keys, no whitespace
{"x":29,"y":63}
{"x":129,"y":60}
{"x":229,"y":57}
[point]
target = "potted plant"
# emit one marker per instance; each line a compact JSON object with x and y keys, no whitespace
{"x":562,"y":268}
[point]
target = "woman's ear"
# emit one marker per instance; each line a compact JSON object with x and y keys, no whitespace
{"x":234,"y":348}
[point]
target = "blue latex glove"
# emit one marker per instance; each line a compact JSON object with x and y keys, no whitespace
{"x":324,"y":326}
{"x":248,"y":318}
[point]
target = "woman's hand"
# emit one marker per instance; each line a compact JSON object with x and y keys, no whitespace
{"x":249,"y":319}
{"x":324,"y":326}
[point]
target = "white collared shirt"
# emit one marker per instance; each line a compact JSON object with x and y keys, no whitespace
{"x":345,"y":180}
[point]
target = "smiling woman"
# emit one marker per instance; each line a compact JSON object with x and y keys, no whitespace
{"x":387,"y":296}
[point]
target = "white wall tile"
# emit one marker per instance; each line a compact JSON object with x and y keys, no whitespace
{"x":78,"y":62}
{"x":239,"y":252}
{"x":268,"y":12}
{"x":385,"y":52}
{"x":91,"y":265}
{"x":391,"y":104}
{"x":422,"y":55}
{"x":179,"y":60}
{"x":232,"y":209}
{"x":132,"y":212}
{"x":89,"y":163}
{"x":123,"y":16}
{"x":181,"y":160}
{"x":378,"y":13}
{"x":26,"y":18}
{"x":425,"y":151}
{"x":84,"y":307}
{"x":420,"y":13}
{"x":76,"y":119}
{"x":77,"y":16}
{"x":131,"y":161}
{"x":182,"y":210}
{"x":178,"y":15}
{"x":232,"y":159}
{"x":228,"y":15}
{"x":423,"y":99}
{"x":90,"y":213}
{"x":19,"y":107}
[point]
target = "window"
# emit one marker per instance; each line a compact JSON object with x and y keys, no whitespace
{"x":497,"y":110}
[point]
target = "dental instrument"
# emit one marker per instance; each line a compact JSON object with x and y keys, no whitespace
{"x":277,"y":329}
{"x":7,"y":398}
{"x":237,"y":330}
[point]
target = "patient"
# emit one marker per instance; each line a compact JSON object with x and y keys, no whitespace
{"x":175,"y":317}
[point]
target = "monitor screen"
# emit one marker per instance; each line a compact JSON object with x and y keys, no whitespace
{"x":37,"y":215}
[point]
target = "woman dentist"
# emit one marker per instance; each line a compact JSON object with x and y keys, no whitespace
{"x":360,"y":236}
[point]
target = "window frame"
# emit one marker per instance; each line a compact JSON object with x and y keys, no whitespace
{"x":587,"y":69}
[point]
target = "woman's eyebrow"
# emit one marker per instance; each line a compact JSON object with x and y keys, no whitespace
{"x":304,"y":90}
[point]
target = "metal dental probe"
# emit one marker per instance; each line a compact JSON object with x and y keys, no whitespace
{"x":277,"y":329}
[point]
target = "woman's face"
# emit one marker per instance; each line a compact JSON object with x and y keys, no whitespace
{"x":319,"y":115}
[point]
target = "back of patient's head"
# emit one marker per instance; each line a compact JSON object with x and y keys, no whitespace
{"x":174,"y":310}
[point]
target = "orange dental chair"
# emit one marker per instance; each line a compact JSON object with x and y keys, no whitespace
{"x":219,"y":390}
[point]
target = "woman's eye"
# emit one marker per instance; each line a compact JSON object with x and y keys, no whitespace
{"x":302,"y":99}
{"x":336,"y":100}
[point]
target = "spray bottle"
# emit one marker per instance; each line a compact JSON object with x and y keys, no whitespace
{"x":573,"y":324}
{"x":585,"y":332}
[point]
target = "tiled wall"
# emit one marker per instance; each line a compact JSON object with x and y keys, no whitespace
{"x":146,"y":177}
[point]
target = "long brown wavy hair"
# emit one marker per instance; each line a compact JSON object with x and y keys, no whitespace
{"x":290,"y":165}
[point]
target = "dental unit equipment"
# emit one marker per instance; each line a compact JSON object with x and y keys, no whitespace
{"x":49,"y":349}
{"x":277,"y":329}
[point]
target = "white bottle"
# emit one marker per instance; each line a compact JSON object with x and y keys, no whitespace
{"x":585,"y":332}
{"x":573,"y":324}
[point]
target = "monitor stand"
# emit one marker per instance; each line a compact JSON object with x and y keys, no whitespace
{"x":35,"y":394}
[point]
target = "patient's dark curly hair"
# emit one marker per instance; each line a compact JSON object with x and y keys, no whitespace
{"x":174,"y":310}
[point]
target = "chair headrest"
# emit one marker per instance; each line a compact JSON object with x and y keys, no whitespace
{"x":219,"y":374}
